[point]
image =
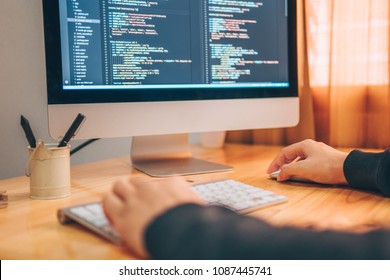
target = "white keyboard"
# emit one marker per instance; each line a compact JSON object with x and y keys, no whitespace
{"x":237,"y":196}
{"x":92,"y":217}
{"x":232,"y":194}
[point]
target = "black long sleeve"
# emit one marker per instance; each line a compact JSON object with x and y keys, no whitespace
{"x":197,"y":232}
{"x":370,"y":171}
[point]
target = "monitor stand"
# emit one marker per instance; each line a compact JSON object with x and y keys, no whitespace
{"x":169,"y":155}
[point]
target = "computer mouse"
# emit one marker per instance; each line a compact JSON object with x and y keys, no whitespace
{"x":275,"y":174}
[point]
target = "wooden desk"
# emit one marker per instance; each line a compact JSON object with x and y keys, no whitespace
{"x":29,"y":228}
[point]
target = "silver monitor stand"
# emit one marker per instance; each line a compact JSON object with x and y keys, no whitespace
{"x":169,"y":155}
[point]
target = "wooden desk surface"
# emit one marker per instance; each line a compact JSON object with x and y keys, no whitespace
{"x":29,"y":228}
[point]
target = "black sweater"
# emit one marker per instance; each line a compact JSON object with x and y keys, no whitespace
{"x":210,"y":232}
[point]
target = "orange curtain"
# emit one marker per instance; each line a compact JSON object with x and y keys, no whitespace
{"x":343,"y":76}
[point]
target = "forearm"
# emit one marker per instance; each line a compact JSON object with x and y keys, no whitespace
{"x":369,"y":171}
{"x":196,"y":232}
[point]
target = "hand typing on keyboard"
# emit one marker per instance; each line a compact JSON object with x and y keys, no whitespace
{"x":132,"y":205}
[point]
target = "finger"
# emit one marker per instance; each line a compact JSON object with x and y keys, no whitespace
{"x":144,"y":187}
{"x":297,"y":169}
{"x":287,"y":155}
{"x":124,"y":189}
{"x":112,"y":206}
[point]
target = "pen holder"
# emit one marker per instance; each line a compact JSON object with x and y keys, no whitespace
{"x":49,"y":170}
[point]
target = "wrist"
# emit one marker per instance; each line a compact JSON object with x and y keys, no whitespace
{"x":340,"y":175}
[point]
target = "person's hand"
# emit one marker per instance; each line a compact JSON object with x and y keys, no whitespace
{"x":316,"y":162}
{"x":132,"y":205}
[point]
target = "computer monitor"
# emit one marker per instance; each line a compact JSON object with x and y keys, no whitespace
{"x":170,"y":67}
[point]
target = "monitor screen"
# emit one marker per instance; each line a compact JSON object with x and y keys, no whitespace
{"x":187,"y":58}
{"x":132,"y":51}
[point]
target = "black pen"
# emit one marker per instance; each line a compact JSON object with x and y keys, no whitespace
{"x":72,"y":130}
{"x":27,"y":130}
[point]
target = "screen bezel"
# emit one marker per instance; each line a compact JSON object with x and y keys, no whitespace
{"x":57,"y":95}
